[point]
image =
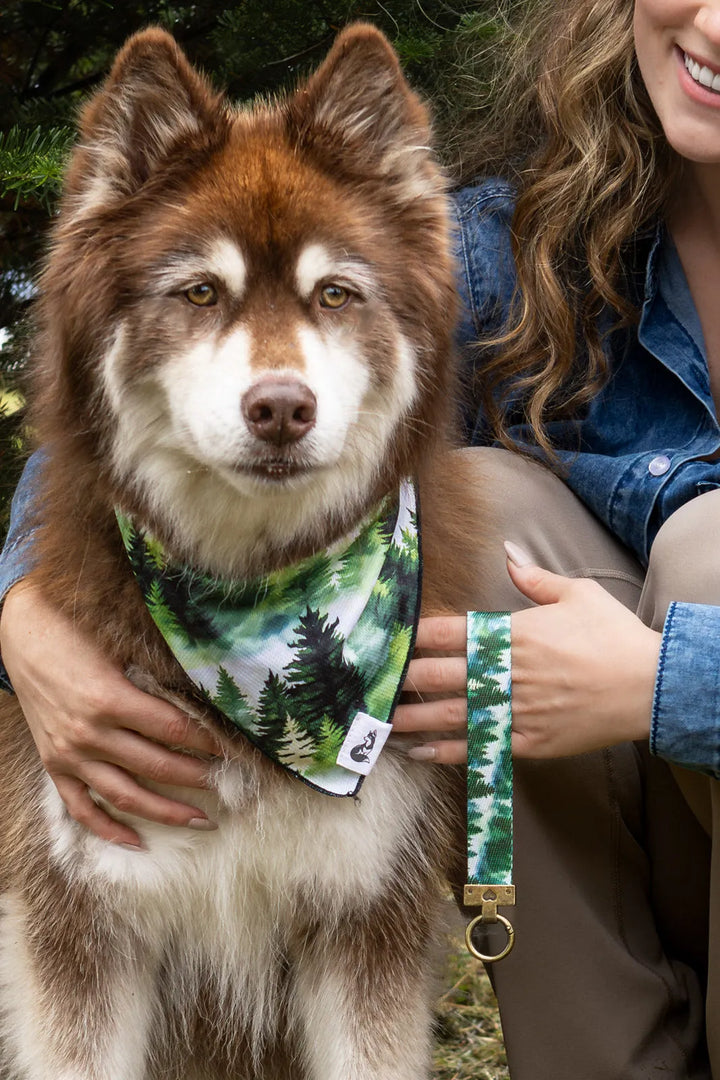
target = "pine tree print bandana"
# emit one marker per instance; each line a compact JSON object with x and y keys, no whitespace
{"x":309,"y":661}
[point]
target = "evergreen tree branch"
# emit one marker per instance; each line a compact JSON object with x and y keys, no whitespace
{"x":32,"y":162}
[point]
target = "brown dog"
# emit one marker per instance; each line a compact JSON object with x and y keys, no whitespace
{"x":246,"y":345}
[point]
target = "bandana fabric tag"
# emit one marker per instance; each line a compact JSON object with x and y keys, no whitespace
{"x":363,"y":744}
{"x":309,"y":661}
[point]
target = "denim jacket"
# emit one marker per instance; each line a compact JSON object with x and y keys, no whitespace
{"x":636,"y":454}
{"x":633,"y":458}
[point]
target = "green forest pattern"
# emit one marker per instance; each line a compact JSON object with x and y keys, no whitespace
{"x":490,"y":837}
{"x":270,"y":654}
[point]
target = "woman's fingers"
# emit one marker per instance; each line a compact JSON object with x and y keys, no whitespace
{"x":442,"y":633}
{"x":83,"y":808}
{"x":442,"y":680}
{"x":437,"y":675}
{"x":115,"y":769}
{"x":112,"y":772}
{"x":122,"y":703}
{"x":75,"y":747}
{"x":123,"y":792}
{"x":149,"y":760}
{"x":444,"y":714}
{"x":445,"y":752}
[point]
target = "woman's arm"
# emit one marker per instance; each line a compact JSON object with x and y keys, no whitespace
{"x":92,"y":727}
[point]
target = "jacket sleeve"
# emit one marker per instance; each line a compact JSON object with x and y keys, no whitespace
{"x":17,"y":555}
{"x":686,"y":707}
{"x":485,"y":272}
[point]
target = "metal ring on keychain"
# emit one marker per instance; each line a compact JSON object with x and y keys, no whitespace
{"x":486,"y":959}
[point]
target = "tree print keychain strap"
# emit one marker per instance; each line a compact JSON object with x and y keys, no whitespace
{"x":489,"y":775}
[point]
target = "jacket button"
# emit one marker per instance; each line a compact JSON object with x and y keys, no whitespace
{"x":659,"y":465}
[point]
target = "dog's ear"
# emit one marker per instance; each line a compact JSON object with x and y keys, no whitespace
{"x":152,"y":102}
{"x":359,"y":111}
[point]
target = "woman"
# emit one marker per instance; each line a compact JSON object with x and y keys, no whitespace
{"x":617,"y":215}
{"x":610,"y":364}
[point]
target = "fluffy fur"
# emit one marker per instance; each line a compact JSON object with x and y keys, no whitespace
{"x":297,"y":939}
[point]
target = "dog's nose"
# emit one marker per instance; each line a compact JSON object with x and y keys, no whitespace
{"x":279,"y":412}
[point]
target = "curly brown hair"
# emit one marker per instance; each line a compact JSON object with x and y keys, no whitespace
{"x":572,"y":126}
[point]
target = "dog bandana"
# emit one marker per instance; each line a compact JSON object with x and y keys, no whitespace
{"x":308,"y":661}
{"x":489,"y":774}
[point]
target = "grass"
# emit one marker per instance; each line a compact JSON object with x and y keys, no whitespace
{"x":469,"y":1042}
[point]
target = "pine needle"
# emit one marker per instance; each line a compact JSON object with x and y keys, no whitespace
{"x":32,"y":161}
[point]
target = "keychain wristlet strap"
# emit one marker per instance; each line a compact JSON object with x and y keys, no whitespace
{"x":489,"y":774}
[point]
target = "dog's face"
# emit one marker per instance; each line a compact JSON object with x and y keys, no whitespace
{"x":257,"y":306}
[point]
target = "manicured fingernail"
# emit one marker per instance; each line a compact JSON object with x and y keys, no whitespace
{"x":516,"y":554}
{"x":203,"y":824}
{"x":132,"y":847}
{"x":422,"y":753}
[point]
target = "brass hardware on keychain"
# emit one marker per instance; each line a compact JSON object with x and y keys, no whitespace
{"x":489,"y":896}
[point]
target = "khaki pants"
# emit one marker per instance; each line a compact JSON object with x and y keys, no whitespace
{"x":609,"y":976}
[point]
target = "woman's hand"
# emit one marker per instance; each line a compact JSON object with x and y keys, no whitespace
{"x":93,"y":728}
{"x":583,"y":667}
{"x":583,"y":672}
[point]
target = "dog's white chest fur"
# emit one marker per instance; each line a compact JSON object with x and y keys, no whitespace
{"x":230,"y":906}
{"x":291,"y":845}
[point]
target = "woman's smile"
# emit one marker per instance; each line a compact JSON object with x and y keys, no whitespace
{"x":677,"y":44}
{"x":702,"y":73}
{"x":699,"y":79}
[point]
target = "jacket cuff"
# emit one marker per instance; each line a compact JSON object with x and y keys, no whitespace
{"x":685,"y":726}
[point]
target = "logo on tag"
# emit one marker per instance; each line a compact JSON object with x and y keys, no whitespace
{"x":363,"y":743}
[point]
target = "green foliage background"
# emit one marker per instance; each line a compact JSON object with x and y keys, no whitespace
{"x":54,"y":52}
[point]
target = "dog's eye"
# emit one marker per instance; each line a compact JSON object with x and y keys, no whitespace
{"x":202,"y":295}
{"x":334,"y":296}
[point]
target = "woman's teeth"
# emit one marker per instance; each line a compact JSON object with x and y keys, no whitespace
{"x":702,"y":75}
